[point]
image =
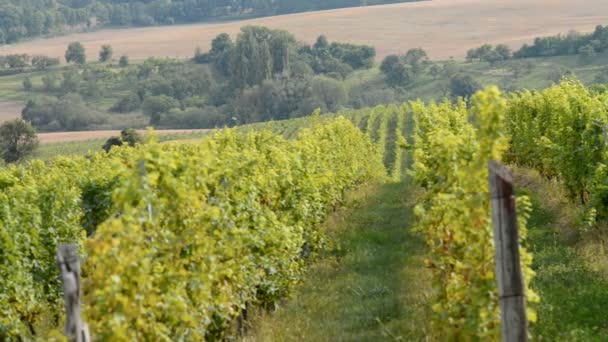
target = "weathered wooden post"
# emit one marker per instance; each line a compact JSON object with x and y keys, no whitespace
{"x":69,"y":265}
{"x":508,"y":266}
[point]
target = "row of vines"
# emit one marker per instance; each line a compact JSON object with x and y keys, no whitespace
{"x":453,"y":144}
{"x":177,"y":239}
{"x":560,"y":131}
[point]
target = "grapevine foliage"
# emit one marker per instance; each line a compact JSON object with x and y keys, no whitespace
{"x":182,"y":236}
{"x":450,"y":162}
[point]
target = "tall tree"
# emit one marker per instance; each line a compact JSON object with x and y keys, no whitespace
{"x":75,"y":53}
{"x":18,"y":140}
{"x":105,"y":54}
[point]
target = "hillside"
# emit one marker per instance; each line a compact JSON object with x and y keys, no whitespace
{"x":363,"y":87}
{"x":33,"y":18}
{"x":442,"y":27}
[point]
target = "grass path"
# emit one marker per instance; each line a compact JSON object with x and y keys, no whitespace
{"x":370,"y":287}
{"x":574,"y":298}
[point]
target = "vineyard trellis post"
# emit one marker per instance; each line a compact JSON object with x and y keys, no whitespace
{"x":68,"y":263}
{"x":508,"y":266}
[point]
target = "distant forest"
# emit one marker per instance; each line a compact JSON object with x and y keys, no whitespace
{"x":30,"y":18}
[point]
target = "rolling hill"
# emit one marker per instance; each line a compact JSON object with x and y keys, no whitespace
{"x":443,"y":27}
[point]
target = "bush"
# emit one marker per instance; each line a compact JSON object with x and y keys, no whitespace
{"x":463,"y":86}
{"x":27,"y":84}
{"x":124,"y":61}
{"x":41,"y":62}
{"x":129,"y":103}
{"x":155,"y":106}
{"x":18,"y":140}
{"x":75,"y":53}
{"x":68,"y":113}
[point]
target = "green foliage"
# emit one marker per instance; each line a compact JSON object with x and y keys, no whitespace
{"x":489,"y":53}
{"x":18,"y":140}
{"x":105,"y":54}
{"x":67,"y":113}
{"x":400,"y":143}
{"x":27,"y":84}
{"x":123,"y":62}
{"x":155,"y":106}
{"x":450,"y":162}
{"x":40,"y":62}
{"x":463,"y":86}
{"x":185,"y":235}
{"x":560,"y":132}
{"x":404,"y":70}
{"x":571,"y":44}
{"x":75,"y":53}
{"x":128,"y":136}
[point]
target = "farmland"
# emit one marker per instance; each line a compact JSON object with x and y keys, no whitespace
{"x":311,"y":192}
{"x":443,"y":27}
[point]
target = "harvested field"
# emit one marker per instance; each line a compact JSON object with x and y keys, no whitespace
{"x":10,"y":110}
{"x":443,"y":27}
{"x":48,"y":138}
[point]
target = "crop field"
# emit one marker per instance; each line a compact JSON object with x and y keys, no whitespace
{"x":444,"y":28}
{"x":10,"y":110}
{"x":59,"y":137}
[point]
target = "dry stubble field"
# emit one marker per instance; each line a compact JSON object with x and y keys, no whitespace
{"x":58,"y":137}
{"x":10,"y":110}
{"x":443,"y":27}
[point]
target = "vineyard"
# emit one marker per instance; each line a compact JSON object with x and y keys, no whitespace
{"x":180,"y":241}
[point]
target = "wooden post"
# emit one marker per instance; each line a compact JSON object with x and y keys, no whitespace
{"x":508,"y":266}
{"x":69,"y":265}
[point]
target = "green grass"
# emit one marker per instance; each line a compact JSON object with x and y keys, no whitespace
{"x":370,"y":287}
{"x":574,"y":298}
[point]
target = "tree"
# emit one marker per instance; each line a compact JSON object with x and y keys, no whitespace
{"x":75,"y":53}
{"x":417,"y":59}
{"x":388,"y":63}
{"x":221,"y":44}
{"x":463,"y":86}
{"x":27,"y":84}
{"x":70,"y":82}
{"x":49,"y":82}
{"x":131,"y":137}
{"x":155,"y":106}
{"x":128,"y":136}
{"x":329,"y":93}
{"x":321,"y":43}
{"x":450,"y":68}
{"x":105,"y":54}
{"x":586,"y":54}
{"x":435,"y":70}
{"x":18,"y":140}
{"x":483,"y":50}
{"x":17,"y":61}
{"x":472,"y":55}
{"x":41,"y":62}
{"x":124,"y":61}
{"x":503,"y":51}
{"x":112,"y":141}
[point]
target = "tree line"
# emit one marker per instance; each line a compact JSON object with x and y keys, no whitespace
{"x":261,"y":75}
{"x":574,"y":43}
{"x":29,"y":18}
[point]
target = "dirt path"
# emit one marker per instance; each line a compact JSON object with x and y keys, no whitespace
{"x":47,"y":138}
{"x":10,"y":110}
{"x":443,"y":27}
